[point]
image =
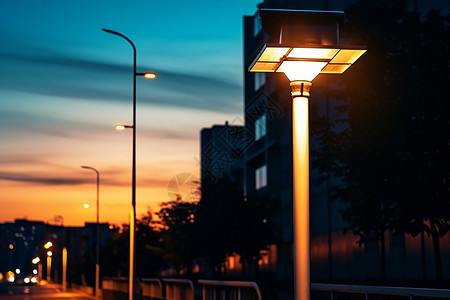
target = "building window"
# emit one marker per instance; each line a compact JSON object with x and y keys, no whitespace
{"x":260,"y":127}
{"x":260,"y":80}
{"x":261,"y":177}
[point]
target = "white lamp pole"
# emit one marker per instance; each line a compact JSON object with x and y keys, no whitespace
{"x":132,"y":274}
{"x":97,"y":233}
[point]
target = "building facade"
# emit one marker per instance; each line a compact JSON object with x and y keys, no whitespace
{"x":23,"y":240}
{"x":221,"y":149}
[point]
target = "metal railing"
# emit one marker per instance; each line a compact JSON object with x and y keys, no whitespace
{"x":115,"y":288}
{"x":230,"y":290}
{"x":370,"y":291}
{"x":152,"y":288}
{"x":179,"y":289}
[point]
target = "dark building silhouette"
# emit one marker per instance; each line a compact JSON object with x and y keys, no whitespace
{"x":24,"y":240}
{"x":222,"y":152}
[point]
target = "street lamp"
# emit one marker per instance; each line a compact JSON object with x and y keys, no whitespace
{"x":302,"y":44}
{"x":37,"y":261}
{"x":132,"y":274}
{"x":49,"y":263}
{"x":97,"y":233}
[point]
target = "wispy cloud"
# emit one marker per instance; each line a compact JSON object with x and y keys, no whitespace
{"x":41,"y":180}
{"x":54,"y":74}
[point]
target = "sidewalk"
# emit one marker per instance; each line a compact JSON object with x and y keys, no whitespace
{"x":81,"y":291}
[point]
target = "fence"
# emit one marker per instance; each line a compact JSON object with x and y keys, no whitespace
{"x":151,"y":289}
{"x":179,"y":289}
{"x":115,"y":288}
{"x":364,"y":292}
{"x":229,"y":290}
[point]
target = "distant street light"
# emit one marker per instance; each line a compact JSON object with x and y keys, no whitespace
{"x":64,"y":269}
{"x":97,"y":234}
{"x":49,"y":260}
{"x":37,"y":261}
{"x":132,"y":274}
{"x":302,"y":44}
{"x":123,"y":127}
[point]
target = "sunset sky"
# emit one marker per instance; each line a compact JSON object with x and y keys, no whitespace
{"x":64,"y":84}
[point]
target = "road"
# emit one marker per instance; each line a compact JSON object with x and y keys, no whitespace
{"x":39,"y":292}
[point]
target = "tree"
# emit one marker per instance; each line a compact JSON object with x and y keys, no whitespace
{"x":229,"y":223}
{"x":390,"y":155}
{"x":178,"y":232}
{"x":149,"y":249}
{"x":115,"y":257}
{"x":219,"y":217}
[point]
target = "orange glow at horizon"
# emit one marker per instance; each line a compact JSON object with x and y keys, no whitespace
{"x":44,"y":182}
{"x":43,"y":202}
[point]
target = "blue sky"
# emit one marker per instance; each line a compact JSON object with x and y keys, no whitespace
{"x":64,"y":83}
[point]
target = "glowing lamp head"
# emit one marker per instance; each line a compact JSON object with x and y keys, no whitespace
{"x":150,"y":75}
{"x":48,"y":245}
{"x":303,"y":63}
{"x":36,"y":260}
{"x":302,"y":70}
{"x":49,"y":253}
{"x":86,"y":205}
{"x":120,"y":127}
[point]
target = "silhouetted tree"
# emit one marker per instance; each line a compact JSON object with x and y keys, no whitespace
{"x":229,"y":223}
{"x":115,"y":257}
{"x":390,"y":155}
{"x":256,"y":229}
{"x":178,"y":234}
{"x":218,"y":220}
{"x":149,"y":252}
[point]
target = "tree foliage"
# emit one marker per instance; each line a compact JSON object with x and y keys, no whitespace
{"x":391,"y":155}
{"x":233,"y":223}
{"x":220,"y":224}
{"x":177,"y":229}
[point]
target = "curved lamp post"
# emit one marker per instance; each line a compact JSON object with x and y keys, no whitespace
{"x":132,"y":274}
{"x":97,"y":234}
{"x":302,"y":44}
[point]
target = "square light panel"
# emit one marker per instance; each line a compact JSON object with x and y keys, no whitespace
{"x":333,"y":60}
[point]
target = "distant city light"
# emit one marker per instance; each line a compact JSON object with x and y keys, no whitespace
{"x":36,"y":260}
{"x":11,"y":246}
{"x":26,"y":280}
{"x":17,"y":271}
{"x":35,"y":271}
{"x":48,"y":245}
{"x":34,"y":280}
